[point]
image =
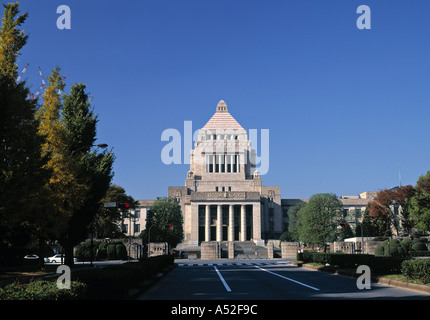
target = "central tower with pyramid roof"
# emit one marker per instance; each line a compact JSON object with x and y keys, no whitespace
{"x":223,"y":198}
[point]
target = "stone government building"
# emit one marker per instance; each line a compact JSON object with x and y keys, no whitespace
{"x":224,"y":198}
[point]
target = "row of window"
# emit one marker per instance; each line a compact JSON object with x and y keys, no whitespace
{"x":222,"y":137}
{"x":222,"y":163}
{"x":222,"y":189}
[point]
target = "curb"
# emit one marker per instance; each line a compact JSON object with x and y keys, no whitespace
{"x":403,"y":284}
{"x":380,"y":280}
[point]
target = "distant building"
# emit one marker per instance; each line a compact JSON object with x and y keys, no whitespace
{"x":224,"y":198}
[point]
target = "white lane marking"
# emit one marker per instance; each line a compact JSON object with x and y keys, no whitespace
{"x":295,"y":281}
{"x":222,"y":280}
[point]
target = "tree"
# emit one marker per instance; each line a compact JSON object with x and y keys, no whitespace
{"x":402,"y":197}
{"x":22,"y":165}
{"x":345,"y":231}
{"x":64,"y":191}
{"x":93,"y":169}
{"x":392,"y":207}
{"x":163,"y":214}
{"x":108,"y":220}
{"x":12,"y":40}
{"x":293,"y":221}
{"x":372,"y":227}
{"x":319,"y":218}
{"x":420,"y":203}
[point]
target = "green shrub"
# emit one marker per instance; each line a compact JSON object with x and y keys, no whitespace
{"x":114,"y":282}
{"x":419,"y":246}
{"x":83,"y":251}
{"x":116,"y":251}
{"x":396,"y":249}
{"x":121,"y":251}
{"x":43,"y":290}
{"x":101,"y":253}
{"x":417,"y":269}
{"x":378,"y":265}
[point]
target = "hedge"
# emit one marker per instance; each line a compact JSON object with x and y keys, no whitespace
{"x":378,"y":265}
{"x":115,"y":282}
{"x":101,"y":251}
{"x":405,"y":248}
{"x":418,"y":269}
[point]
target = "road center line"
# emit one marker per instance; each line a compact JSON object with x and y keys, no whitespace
{"x":313,"y":288}
{"x":222,"y":280}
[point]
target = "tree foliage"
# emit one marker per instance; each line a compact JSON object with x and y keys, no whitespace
{"x":420,"y":203}
{"x":12,"y":39}
{"x":51,"y":181}
{"x":108,"y":220}
{"x":64,"y":192}
{"x":93,"y":169}
{"x":382,"y":208}
{"x":294,"y":222}
{"x":165,"y":212}
{"x":319,"y":218}
{"x":22,"y":165}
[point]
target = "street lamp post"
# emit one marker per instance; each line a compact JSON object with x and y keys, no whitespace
{"x":149,"y":240}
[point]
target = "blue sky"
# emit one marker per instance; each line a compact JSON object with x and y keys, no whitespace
{"x":344,"y":106}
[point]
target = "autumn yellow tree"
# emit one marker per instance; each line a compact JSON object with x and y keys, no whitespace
{"x":65,"y":191}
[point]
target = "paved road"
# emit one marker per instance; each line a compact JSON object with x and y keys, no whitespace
{"x":263,"y":280}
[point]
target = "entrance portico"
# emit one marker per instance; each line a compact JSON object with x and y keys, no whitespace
{"x":228,"y":221}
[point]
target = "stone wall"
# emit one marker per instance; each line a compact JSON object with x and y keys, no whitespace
{"x":289,"y":250}
{"x":209,"y":250}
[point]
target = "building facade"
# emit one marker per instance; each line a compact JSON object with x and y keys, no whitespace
{"x":223,"y":198}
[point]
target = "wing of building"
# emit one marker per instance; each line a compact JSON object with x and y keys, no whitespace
{"x":224,"y":198}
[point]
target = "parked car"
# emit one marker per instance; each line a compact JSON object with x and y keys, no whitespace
{"x":31,"y":257}
{"x":34,"y":257}
{"x":57,"y":258}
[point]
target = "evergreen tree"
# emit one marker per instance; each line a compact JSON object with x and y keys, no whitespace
{"x":293,"y":221}
{"x":94,"y":170}
{"x":108,"y":220}
{"x":163,"y":213}
{"x":22,"y":172}
{"x":319,"y":218}
{"x":12,"y":39}
{"x":420,"y":204}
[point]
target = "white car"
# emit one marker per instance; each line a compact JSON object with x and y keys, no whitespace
{"x":57,"y":258}
{"x":31,"y":257}
{"x":34,"y":257}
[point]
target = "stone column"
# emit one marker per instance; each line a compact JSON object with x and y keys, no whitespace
{"x":194,"y":237}
{"x":207,"y":223}
{"x":231,"y":250}
{"x":231,"y":223}
{"x":242,"y":223}
{"x":256,"y":221}
{"x":270,"y":250}
{"x":219,"y":224}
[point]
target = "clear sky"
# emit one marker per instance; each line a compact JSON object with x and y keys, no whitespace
{"x":344,"y":106}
